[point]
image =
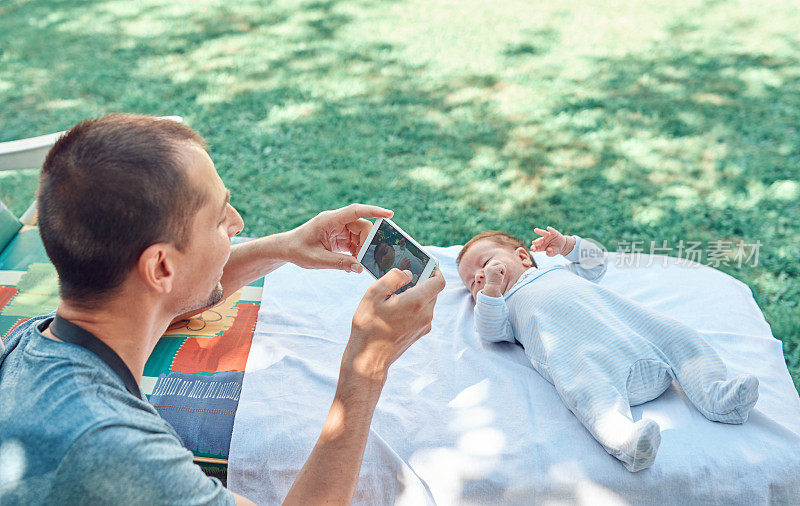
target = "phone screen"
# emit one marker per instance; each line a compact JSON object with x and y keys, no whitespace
{"x":389,"y":249}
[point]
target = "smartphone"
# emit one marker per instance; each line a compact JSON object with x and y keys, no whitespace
{"x":388,"y":246}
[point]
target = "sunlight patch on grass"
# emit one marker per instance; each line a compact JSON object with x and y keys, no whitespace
{"x":623,"y":121}
{"x":647,"y":215}
{"x":685,"y":197}
{"x":711,"y":98}
{"x":465,"y":95}
{"x":521,"y":190}
{"x":512,"y":100}
{"x":759,"y":81}
{"x":784,"y":190}
{"x":431,"y":176}
{"x":64,"y":103}
{"x":290,"y":112}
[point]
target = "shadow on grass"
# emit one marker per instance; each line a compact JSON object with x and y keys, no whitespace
{"x":706,"y":146}
{"x":669,"y":145}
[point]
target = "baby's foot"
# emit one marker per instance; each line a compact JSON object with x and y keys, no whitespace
{"x":733,"y":399}
{"x":640,"y":451}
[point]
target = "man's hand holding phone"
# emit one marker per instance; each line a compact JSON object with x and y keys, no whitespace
{"x":332,"y":239}
{"x":385,"y":324}
{"x":387,"y":246}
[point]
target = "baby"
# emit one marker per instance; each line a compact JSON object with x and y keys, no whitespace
{"x":602,"y":351}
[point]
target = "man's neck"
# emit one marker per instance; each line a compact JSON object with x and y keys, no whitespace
{"x":132,"y":331}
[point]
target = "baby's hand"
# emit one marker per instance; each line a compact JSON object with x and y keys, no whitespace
{"x":495,"y":272}
{"x":552,"y":242}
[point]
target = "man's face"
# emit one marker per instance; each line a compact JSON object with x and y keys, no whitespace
{"x":208,"y":248}
{"x":479,"y":254}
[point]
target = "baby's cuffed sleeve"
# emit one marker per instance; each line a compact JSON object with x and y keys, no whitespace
{"x":491,"y":319}
{"x":587,"y":260}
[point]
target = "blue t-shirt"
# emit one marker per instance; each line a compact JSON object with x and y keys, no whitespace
{"x":70,"y":432}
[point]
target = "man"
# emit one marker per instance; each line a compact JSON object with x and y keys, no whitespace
{"x":137,"y":223}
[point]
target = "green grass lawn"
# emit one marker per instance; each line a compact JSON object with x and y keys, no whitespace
{"x":619,"y":121}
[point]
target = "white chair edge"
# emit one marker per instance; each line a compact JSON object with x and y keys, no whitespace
{"x":30,"y":153}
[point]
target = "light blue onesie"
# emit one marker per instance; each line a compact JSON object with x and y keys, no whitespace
{"x":604,"y":353}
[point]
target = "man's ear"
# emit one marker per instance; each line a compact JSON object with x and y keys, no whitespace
{"x":156,"y":267}
{"x":523,"y":255}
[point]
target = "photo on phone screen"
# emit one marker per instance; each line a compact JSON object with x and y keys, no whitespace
{"x":388,"y":249}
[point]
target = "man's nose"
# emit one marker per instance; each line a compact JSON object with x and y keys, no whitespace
{"x":237,"y":223}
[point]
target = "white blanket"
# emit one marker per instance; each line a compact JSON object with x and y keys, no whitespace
{"x":461,"y":421}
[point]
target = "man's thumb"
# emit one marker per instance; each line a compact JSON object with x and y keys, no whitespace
{"x":341,"y":261}
{"x":394,"y":280}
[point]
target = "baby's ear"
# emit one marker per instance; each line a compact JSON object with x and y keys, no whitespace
{"x":524,"y":256}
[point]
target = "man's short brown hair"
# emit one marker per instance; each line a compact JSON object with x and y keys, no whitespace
{"x":110,"y":188}
{"x":497,"y":237}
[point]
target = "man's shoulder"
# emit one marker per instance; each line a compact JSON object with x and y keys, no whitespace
{"x":55,"y":392}
{"x":18,"y":334}
{"x":53,"y":375}
{"x":71,"y":415}
{"x":108,"y":462}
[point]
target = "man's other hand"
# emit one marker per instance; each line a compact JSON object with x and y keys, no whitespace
{"x":385,"y":324}
{"x":332,"y":239}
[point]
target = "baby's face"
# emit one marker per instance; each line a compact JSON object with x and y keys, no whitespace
{"x":479,"y":254}
{"x":384,"y":256}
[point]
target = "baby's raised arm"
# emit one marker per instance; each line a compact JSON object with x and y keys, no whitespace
{"x":553,"y":242}
{"x":491,"y":312}
{"x":495,"y":272}
{"x":587,"y":259}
